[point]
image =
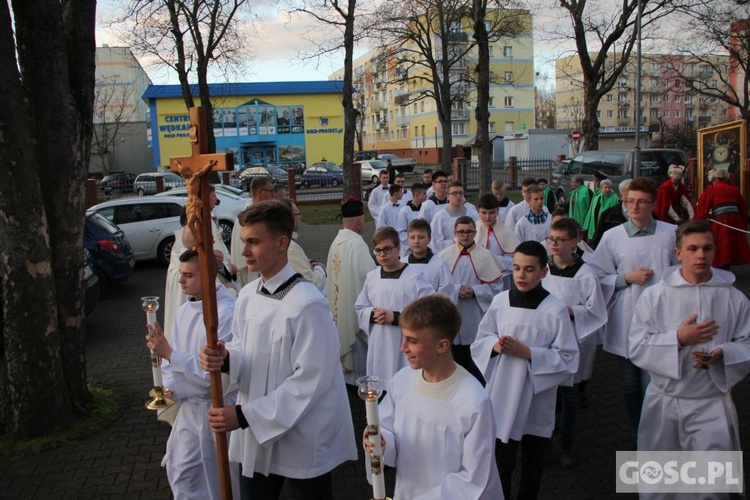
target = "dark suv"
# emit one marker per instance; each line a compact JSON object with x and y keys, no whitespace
{"x":110,"y":251}
{"x":119,"y":181}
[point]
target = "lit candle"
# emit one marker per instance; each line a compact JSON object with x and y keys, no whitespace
{"x":151,"y":305}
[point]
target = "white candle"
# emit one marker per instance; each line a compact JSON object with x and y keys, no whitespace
{"x":151,"y":317}
{"x":373,"y":419}
{"x":155,"y":360}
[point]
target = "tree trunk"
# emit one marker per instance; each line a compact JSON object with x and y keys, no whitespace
{"x":350,"y":114}
{"x":483,"y":98}
{"x":37,"y":396}
{"x":590,"y":124}
{"x":444,"y":115}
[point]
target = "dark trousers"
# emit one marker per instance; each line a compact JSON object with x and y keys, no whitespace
{"x":533,"y":451}
{"x":634,"y":381}
{"x":260,"y":487}
{"x":462,"y":357}
{"x":568,"y":409}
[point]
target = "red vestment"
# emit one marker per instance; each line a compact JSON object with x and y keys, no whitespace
{"x":668,"y":197}
{"x":731,"y":245}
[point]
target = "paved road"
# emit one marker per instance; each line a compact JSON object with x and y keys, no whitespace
{"x":123,"y":460}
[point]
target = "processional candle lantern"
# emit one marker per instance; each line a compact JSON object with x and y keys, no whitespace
{"x":158,"y":399}
{"x":370,"y":389}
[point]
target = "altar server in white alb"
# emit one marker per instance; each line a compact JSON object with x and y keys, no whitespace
{"x":691,"y":332}
{"x":575,"y":283}
{"x":478,"y":275}
{"x":435,"y":417}
{"x":629,"y":259}
{"x":191,"y":461}
{"x":408,"y":213}
{"x":391,"y":207}
{"x":388,"y":289}
{"x":518,"y":211}
{"x":407,"y":196}
{"x":378,"y":195}
{"x":534,"y":226}
{"x":435,"y":269}
{"x":292,"y":407}
{"x":525,"y":348}
{"x":492,"y":233}
{"x":443,"y":223}
{"x":438,"y":199}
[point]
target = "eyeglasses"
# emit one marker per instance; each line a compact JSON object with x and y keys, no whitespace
{"x":639,"y":202}
{"x":467,"y":232}
{"x":382,"y":250}
{"x":441,"y":182}
{"x":456,"y":193}
{"x":556,"y":241}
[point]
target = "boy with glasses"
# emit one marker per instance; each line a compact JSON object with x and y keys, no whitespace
{"x":443,"y":222}
{"x":629,"y":259}
{"x":478,"y":275}
{"x":387,"y":290}
{"x":575,"y":283}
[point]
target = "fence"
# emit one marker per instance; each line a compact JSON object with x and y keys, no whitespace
{"x":511,"y":172}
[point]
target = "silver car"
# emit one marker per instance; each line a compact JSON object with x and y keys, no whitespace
{"x":146,"y":183}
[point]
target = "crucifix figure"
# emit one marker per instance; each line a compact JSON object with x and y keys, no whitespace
{"x":194,"y":170}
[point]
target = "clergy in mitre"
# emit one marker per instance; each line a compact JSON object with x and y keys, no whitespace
{"x":691,"y":332}
{"x":292,"y":408}
{"x":436,"y":419}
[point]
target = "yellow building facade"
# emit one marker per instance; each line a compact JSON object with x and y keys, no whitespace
{"x":261,"y":123}
{"x":400,"y":119}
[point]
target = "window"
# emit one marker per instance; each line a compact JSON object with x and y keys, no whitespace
{"x":421,"y":106}
{"x":689,"y":113}
{"x":677,"y":113}
{"x":610,"y":98}
{"x":598,"y":113}
{"x":714,"y":83}
{"x":666,"y":98}
{"x":422,"y":130}
{"x":723,"y":113}
{"x":509,"y":126}
{"x":416,"y":131}
{"x":508,"y":76}
{"x":508,"y":101}
{"x":455,"y":27}
{"x":654,"y":82}
{"x":666,"y":113}
{"x":492,"y":127}
{"x":458,"y":128}
{"x":491,"y":51}
{"x":490,"y":103}
{"x":508,"y":51}
{"x":622,"y":97}
{"x":713,"y":112}
{"x":415,"y":108}
{"x":677,"y":98}
{"x":688,"y":99}
{"x":622,"y":113}
{"x":654,"y":113}
{"x":610,"y":113}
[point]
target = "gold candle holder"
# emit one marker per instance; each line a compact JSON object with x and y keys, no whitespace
{"x":158,"y":394}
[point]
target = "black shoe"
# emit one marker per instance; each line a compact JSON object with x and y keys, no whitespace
{"x":583,"y":401}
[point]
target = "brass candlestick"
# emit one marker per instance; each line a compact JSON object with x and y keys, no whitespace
{"x":159,"y":399}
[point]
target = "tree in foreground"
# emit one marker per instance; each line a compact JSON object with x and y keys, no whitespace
{"x":47,"y":50}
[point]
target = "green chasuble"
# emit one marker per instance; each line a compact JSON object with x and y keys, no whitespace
{"x":599,"y":204}
{"x":580,"y":200}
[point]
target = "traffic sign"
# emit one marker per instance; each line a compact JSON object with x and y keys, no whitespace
{"x":576,"y":135}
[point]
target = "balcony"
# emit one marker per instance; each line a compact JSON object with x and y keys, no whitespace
{"x":402,"y":99}
{"x":459,"y":114}
{"x":458,"y":37}
{"x":706,"y":73}
{"x":623,"y":121}
{"x":403,"y":121}
{"x":623,"y":104}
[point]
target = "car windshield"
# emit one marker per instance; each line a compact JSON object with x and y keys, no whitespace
{"x":103,"y":223}
{"x":334,"y":168}
{"x":109,"y":178}
{"x":172,"y":178}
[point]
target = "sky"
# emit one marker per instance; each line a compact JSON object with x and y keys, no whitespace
{"x":280,"y":46}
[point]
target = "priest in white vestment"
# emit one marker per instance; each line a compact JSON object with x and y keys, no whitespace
{"x":348,"y":263}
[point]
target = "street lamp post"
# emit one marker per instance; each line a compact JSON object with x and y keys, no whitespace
{"x":638,"y":78}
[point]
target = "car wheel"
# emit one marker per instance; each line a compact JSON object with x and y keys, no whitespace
{"x":141,"y":192}
{"x":104,"y":284}
{"x":226,"y":227}
{"x":306,"y":184}
{"x":164,"y":252}
{"x":334,"y":182}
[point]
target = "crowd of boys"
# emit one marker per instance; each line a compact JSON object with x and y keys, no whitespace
{"x":479,"y":326}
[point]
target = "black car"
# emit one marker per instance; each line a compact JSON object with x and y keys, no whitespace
{"x":110,"y":250}
{"x":120,"y":181}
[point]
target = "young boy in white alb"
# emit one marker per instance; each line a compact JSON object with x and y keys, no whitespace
{"x":444,"y":221}
{"x":534,"y":226}
{"x":525,"y":348}
{"x":435,"y":417}
{"x":408,"y":213}
{"x":434,"y":268}
{"x":391,"y":208}
{"x":387,"y":290}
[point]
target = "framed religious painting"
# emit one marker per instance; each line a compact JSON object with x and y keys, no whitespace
{"x":723,"y":147}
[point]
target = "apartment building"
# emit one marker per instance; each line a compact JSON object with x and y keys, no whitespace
{"x":666,"y":99}
{"x":398,"y":116}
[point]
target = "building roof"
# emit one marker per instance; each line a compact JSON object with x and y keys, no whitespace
{"x":254,"y":88}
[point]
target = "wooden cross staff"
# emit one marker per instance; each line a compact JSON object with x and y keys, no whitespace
{"x":194,"y":170}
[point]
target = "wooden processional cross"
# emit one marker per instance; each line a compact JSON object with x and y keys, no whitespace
{"x":194,"y":169}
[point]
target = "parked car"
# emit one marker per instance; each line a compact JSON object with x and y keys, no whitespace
{"x":277,"y":171}
{"x":148,"y":224}
{"x":119,"y":181}
{"x":401,"y":164}
{"x":233,"y":190}
{"x":146,"y":183}
{"x":365,"y":155}
{"x":617,"y":165}
{"x":323,"y":174}
{"x":91,"y":290}
{"x":371,"y":169}
{"x":110,"y":251}
{"x":277,"y":176}
{"x":228,"y":207}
